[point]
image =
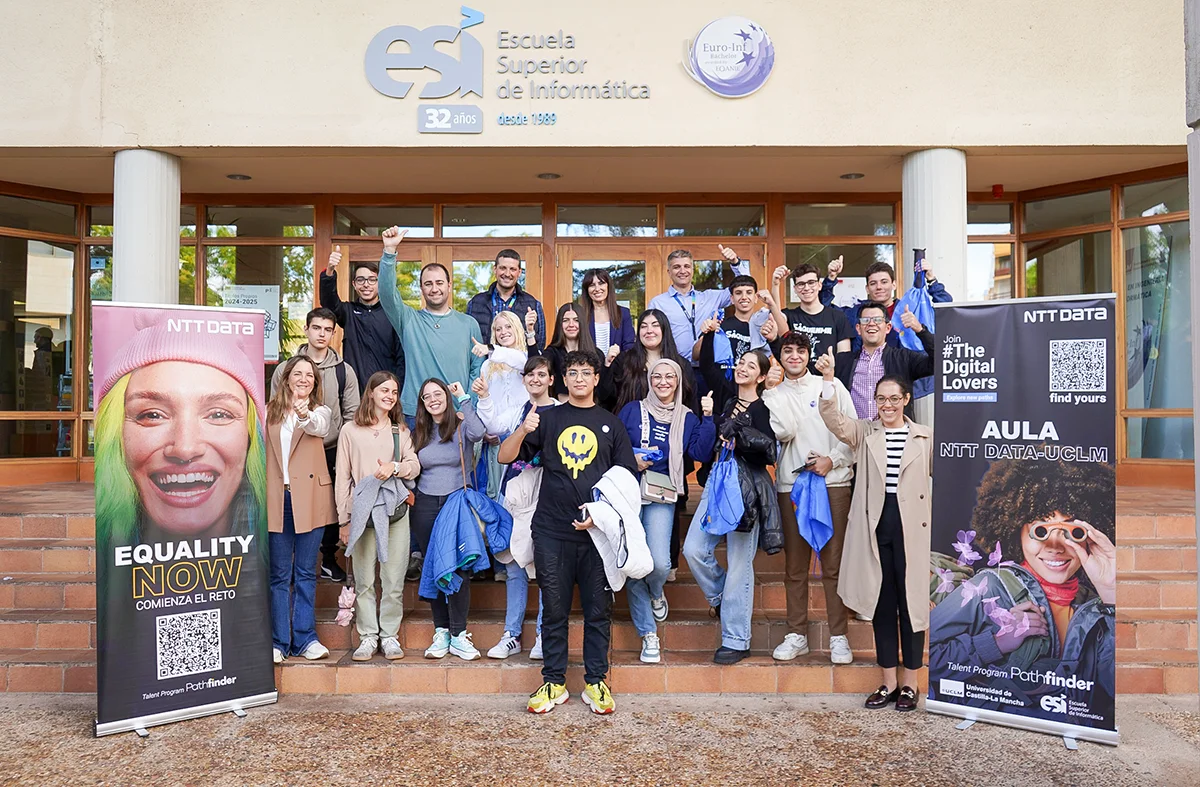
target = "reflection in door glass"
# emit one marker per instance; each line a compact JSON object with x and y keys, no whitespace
{"x":408,"y":282}
{"x":628,"y":278}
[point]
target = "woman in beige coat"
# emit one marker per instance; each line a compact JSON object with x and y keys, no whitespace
{"x":885,"y":559}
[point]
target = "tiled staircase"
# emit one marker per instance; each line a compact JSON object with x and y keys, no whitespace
{"x":48,"y":631}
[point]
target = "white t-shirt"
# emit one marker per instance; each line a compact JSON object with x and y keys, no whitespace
{"x":602,"y":330}
{"x":285,"y":442}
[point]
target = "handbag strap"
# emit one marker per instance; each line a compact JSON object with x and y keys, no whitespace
{"x":645,"y":426}
{"x":396,"y":442}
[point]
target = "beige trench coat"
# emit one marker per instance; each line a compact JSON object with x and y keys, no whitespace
{"x":861,"y":575}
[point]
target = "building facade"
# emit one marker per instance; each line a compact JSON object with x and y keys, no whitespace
{"x":202,"y":154}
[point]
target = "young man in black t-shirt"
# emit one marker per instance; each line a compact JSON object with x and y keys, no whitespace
{"x":578,"y":442}
{"x":826,"y":326}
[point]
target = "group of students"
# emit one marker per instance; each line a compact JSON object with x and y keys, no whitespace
{"x":606,"y":419}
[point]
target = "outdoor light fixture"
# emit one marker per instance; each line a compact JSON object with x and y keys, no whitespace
{"x":237,"y":176}
{"x":852,"y":176}
{"x":549,"y":176}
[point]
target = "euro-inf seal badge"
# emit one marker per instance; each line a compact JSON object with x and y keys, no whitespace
{"x":731,"y":56}
{"x":577,"y":448}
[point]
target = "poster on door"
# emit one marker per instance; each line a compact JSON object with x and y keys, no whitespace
{"x":183,"y":627}
{"x":1023,"y":576}
{"x":264,"y":298}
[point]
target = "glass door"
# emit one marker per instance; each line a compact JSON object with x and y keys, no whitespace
{"x":472,"y":266}
{"x":635,"y":270}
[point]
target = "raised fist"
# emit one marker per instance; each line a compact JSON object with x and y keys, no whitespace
{"x":766,"y":297}
{"x":457,"y":389}
{"x":780,"y":274}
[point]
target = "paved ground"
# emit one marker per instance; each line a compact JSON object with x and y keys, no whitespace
{"x":726,"y":740}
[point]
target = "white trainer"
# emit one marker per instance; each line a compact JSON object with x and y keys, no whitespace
{"x":793,"y":646}
{"x":535,"y":652}
{"x":463,"y":647}
{"x":277,"y":655}
{"x":507,"y":646}
{"x":440,"y":645}
{"x":391,"y":649}
{"x":315,"y":651}
{"x":366,"y":649}
{"x":839,"y":650}
{"x":659,"y":609}
{"x":651,"y":653}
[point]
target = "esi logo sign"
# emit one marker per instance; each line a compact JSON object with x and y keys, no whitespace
{"x":1054,"y":704}
{"x":731,"y":56}
{"x":462,"y":76}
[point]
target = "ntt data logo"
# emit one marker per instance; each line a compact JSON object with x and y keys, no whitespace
{"x":462,"y":76}
{"x":731,"y":56}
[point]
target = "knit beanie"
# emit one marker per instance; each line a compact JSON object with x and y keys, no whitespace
{"x":220,"y":351}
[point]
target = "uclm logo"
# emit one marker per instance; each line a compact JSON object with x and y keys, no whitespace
{"x":463,"y":76}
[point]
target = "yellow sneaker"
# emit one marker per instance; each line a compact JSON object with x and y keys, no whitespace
{"x":599,"y":698}
{"x":544,"y":699}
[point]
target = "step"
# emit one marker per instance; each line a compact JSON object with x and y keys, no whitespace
{"x":48,"y":629}
{"x":65,"y":525}
{"x":47,"y":555}
{"x":1157,"y":590}
{"x":1156,"y":629}
{"x":1152,"y":555}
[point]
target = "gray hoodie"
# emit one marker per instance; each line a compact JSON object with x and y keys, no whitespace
{"x":343,"y":411}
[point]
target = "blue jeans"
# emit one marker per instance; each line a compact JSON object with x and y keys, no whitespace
{"x":517,"y":586}
{"x":732,"y":589}
{"x":293,"y":584}
{"x":658,"y":519}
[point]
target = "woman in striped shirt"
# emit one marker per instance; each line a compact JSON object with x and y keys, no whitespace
{"x":885,"y":559}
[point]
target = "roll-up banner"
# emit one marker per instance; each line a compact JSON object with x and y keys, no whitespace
{"x":183,"y":627}
{"x":1023,"y":576}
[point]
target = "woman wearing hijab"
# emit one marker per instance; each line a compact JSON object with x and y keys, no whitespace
{"x":663,"y":430}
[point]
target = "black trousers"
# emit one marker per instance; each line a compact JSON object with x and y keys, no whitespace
{"x":893,"y":602}
{"x":449,"y":612}
{"x":561,"y":565}
{"x":329,"y":538}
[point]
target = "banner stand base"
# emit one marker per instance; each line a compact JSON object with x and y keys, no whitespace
{"x":965,"y":724}
{"x":1070,"y":733}
{"x":140,"y":723}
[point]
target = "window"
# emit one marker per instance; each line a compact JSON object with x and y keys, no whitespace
{"x":607,"y":221}
{"x":291,"y":221}
{"x":289,"y":266}
{"x":989,"y":272}
{"x":36,"y":340}
{"x":715,"y":220}
{"x":100,"y":221}
{"x":1159,"y":438}
{"x":1095,"y":207}
{"x":500,"y":221}
{"x":1069,"y":266}
{"x":20,"y":213}
{"x":839,"y":219}
{"x":1156,"y":198}
{"x":852,"y":284}
{"x":989,"y":218}
{"x":628,"y":280}
{"x":36,"y":439}
{"x":1158,"y":316}
{"x":371,"y":221}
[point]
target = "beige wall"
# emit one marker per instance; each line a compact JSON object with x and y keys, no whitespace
{"x":176,"y":74}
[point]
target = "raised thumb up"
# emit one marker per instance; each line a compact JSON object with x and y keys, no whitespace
{"x":478,"y":349}
{"x":335,"y":258}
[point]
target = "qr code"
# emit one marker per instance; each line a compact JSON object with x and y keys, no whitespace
{"x":1079,"y":365}
{"x":188,"y":644}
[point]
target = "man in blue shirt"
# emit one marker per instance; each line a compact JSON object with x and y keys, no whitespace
{"x":686,"y":307}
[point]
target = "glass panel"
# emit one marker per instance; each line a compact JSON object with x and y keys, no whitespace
{"x":100,"y":221}
{"x":628,"y":280}
{"x":839,"y":219}
{"x":289,"y":221}
{"x":37,"y":303}
{"x":852,"y":285}
{"x":1069,"y":266}
{"x":1095,"y":207}
{"x":989,"y":271}
{"x":989,"y":218}
{"x":488,"y":221}
{"x":35,"y":439}
{"x":472,"y":277}
{"x":1158,"y":314}
{"x":721,"y":220}
{"x":89,"y":448}
{"x":1154,"y":199}
{"x":713,"y":274}
{"x":607,"y":221}
{"x":370,"y":221}
{"x":19,"y":213}
{"x":288,"y":267}
{"x":1159,"y":438}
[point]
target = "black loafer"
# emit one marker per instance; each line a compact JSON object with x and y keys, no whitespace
{"x":881,"y":698}
{"x":726,"y":655}
{"x":907,"y":701}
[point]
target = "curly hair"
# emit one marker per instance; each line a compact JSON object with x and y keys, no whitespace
{"x":1014,"y":493}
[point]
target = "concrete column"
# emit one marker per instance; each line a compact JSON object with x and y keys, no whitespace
{"x":935,"y":215}
{"x":1191,"y":40}
{"x":146,"y":227}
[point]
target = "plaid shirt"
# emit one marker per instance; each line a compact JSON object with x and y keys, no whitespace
{"x":867,"y":373}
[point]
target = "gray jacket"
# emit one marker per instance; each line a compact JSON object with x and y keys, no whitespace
{"x":375,"y":500}
{"x":343,"y":410}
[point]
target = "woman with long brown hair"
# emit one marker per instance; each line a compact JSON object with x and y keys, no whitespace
{"x":608,"y":322}
{"x":299,"y":504}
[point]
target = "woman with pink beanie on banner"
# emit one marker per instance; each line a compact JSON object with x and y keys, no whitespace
{"x":299,"y":504}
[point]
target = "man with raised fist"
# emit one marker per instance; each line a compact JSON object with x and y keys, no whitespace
{"x":369,"y":344}
{"x":506,"y":295}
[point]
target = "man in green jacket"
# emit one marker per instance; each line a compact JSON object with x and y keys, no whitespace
{"x":436,"y":339}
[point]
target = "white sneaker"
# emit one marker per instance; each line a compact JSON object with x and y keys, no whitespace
{"x":651,"y":654}
{"x":277,"y":654}
{"x":500,"y":575}
{"x":535,"y":652}
{"x":793,"y":645}
{"x":440,"y":645}
{"x":659,"y":609}
{"x":671,"y":575}
{"x":507,"y":646}
{"x":392,"y":649}
{"x":862,"y":617}
{"x":463,"y":647}
{"x":366,"y":649}
{"x":839,"y":650}
{"x":315,"y":651}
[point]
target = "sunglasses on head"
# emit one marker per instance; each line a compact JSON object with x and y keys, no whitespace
{"x":1041,"y":532}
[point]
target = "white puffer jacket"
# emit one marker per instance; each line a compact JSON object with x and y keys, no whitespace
{"x":618,"y":533}
{"x":521,"y":499}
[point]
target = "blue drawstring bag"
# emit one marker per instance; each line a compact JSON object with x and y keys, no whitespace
{"x":916,"y":299}
{"x":725,"y":507}
{"x":723,"y":352}
{"x":810,"y":499}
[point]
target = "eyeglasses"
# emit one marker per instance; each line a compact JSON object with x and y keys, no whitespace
{"x":578,"y":374}
{"x":872,"y":320}
{"x":658,"y":378}
{"x":1040,"y":532}
{"x":808,"y":284}
{"x":889,"y":399}
{"x":366,"y":280}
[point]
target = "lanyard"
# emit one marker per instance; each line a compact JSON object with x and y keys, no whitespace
{"x":499,"y":305}
{"x":691,"y":318}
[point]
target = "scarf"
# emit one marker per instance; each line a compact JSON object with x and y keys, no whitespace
{"x":1060,"y":595}
{"x":674,"y":414}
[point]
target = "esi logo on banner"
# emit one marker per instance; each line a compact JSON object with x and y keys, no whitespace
{"x":731,"y":56}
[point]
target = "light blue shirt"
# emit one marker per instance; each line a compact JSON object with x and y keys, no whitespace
{"x":687,"y":313}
